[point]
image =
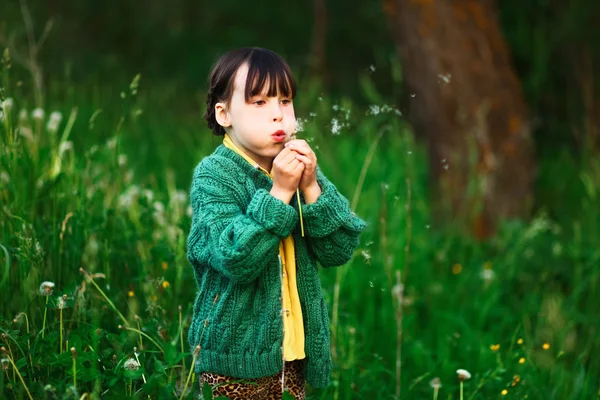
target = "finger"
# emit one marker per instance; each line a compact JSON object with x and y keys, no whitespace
{"x":307,"y":161}
{"x":300,"y":146}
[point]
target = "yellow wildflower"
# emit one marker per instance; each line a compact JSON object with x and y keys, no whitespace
{"x":457,"y":269}
{"x":522,"y":360}
{"x":495,"y":347}
{"x":131,"y":294}
{"x":546,"y":346}
{"x":164,"y":265}
{"x":520,"y":341}
{"x":504,"y":392}
{"x":165,"y":284}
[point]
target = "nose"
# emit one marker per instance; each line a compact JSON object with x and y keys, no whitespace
{"x":277,"y":113}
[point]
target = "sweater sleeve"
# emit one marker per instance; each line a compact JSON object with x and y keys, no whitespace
{"x":332,"y":228}
{"x":234,"y":242}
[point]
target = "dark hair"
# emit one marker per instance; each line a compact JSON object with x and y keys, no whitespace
{"x":264,"y":66}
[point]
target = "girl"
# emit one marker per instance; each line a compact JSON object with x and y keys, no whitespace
{"x":263,"y":216}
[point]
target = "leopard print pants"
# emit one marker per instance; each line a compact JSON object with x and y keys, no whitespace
{"x":265,"y":388}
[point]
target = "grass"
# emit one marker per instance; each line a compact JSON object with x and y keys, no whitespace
{"x":96,"y":203}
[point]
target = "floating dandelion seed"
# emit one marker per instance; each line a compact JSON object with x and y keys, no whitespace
{"x":131,"y":365}
{"x":299,"y":125}
{"x":372,"y":68}
{"x":46,"y":288}
{"x":312,"y":114}
{"x":445,"y":79}
{"x":413,"y":95}
{"x":335,"y":126}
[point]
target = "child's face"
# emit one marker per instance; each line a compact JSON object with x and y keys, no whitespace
{"x":252,"y":124}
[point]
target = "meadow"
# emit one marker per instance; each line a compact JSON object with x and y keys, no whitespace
{"x":97,"y":293}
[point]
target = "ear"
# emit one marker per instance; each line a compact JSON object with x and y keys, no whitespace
{"x":221,"y":115}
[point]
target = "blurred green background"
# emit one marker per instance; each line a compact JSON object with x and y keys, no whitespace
{"x":101,"y":127}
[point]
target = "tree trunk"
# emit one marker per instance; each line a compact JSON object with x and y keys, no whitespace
{"x":466,"y":102}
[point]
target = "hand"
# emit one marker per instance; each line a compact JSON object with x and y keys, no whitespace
{"x":308,"y":157}
{"x":287,"y":171}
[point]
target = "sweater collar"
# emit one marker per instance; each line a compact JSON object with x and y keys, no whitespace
{"x":227,"y":142}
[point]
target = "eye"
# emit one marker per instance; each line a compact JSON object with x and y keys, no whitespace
{"x":286,"y":101}
{"x":258,"y":102}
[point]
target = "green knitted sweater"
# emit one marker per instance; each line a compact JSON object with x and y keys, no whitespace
{"x":233,"y":248}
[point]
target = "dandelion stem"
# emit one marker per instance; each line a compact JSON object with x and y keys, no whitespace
{"x":17,"y":371}
{"x":142,"y":333}
{"x":61,"y":331}
{"x":74,"y":367}
{"x":104,"y":295}
{"x":461,"y":390}
{"x":196,"y":352}
{"x":181,"y":340}
{"x":44,"y":323}
{"x":140,"y":329}
{"x":435,"y":393}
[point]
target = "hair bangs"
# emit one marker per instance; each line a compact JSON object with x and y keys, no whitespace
{"x":269,"y":74}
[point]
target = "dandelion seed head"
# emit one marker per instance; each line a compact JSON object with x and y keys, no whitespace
{"x":4,"y":362}
{"x":111,"y":143}
{"x":54,"y":122}
{"x":8,"y":104}
{"x":65,"y":146}
{"x":38,"y":114}
{"x":487,"y":274}
{"x":463,"y":374}
{"x":336,"y":127}
{"x":435,"y":383}
{"x":131,"y":364}
{"x":122,"y":160}
{"x":299,"y":125}
{"x":46,"y":288}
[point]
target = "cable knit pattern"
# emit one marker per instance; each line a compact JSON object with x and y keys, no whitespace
{"x":233,"y":247}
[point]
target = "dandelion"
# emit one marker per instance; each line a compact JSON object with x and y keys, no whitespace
{"x":111,"y":143}
{"x":463,"y":375}
{"x":23,"y":115}
{"x":516,"y":379}
{"x":165,"y":284}
{"x":436,"y":384}
{"x":164,"y":265}
{"x":520,"y":341}
{"x":148,"y":194}
{"x":7,"y":105}
{"x":62,"y":303}
{"x":46,"y":289}
{"x":4,"y":363}
{"x":4,"y":177}
{"x":299,"y":125}
{"x":122,"y":160}
{"x":131,"y":365}
{"x":38,"y":114}
{"x":504,"y":392}
{"x":457,"y":269}
{"x":546,"y":346}
{"x":54,"y":122}
{"x":131,"y":293}
{"x":65,"y":146}
{"x":522,"y":360}
{"x":494,"y":347}
{"x":487,"y":275}
{"x":373,"y":109}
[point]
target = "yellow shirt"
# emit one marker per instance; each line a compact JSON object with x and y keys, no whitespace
{"x":293,"y":326}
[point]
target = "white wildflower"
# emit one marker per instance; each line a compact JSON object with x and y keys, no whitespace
{"x":111,"y":143}
{"x":38,"y":114}
{"x":62,"y":302}
{"x":148,"y":194}
{"x":7,"y":104}
{"x":463,"y":374}
{"x":159,"y":213}
{"x":122,"y":160}
{"x":131,"y":364}
{"x":127,"y":199}
{"x":373,"y":109}
{"x":128,"y":176}
{"x":372,"y":68}
{"x":54,"y":122}
{"x":4,"y":178}
{"x":487,"y":274}
{"x":46,"y":288}
{"x":435,"y":383}
{"x":23,"y":115}
{"x":181,"y":197}
{"x":65,"y":146}
{"x":190,"y":211}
